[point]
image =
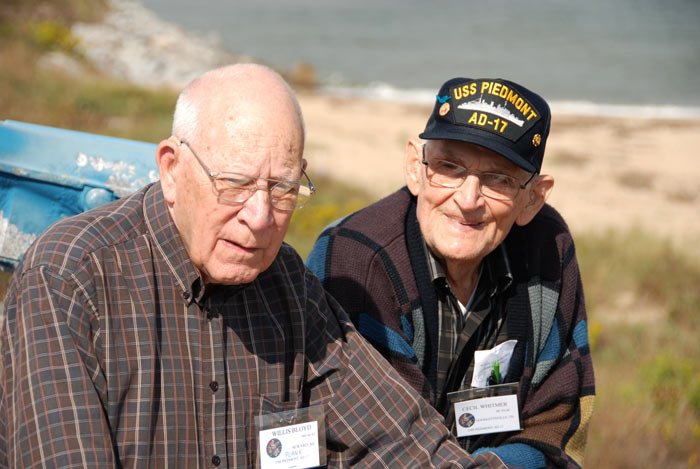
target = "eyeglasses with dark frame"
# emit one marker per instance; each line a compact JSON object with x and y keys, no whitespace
{"x":236,"y":188}
{"x":444,"y":173}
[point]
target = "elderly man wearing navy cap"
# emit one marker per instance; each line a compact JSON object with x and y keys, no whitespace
{"x":467,"y":281}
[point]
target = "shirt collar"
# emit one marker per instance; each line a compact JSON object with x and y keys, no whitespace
{"x":169,"y":246}
{"x":495,"y":274}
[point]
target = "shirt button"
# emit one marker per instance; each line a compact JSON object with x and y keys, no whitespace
{"x":215,"y":460}
{"x":214,"y":386}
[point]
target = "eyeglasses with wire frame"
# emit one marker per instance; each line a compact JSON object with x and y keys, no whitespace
{"x":235,"y":188}
{"x":444,"y":173}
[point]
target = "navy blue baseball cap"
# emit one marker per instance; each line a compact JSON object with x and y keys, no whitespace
{"x":493,"y":113}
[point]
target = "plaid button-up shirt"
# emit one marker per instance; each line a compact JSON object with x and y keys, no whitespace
{"x":113,"y":355}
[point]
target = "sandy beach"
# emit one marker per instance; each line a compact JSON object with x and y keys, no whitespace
{"x":610,"y":172}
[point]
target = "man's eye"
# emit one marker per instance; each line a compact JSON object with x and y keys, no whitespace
{"x":495,"y":179}
{"x":236,"y":182}
{"x":446,"y":167}
{"x":285,"y":188}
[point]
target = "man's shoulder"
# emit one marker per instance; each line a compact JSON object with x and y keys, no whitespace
{"x":67,"y":242}
{"x":552,"y":218}
{"x":353,"y":243}
{"x":547,"y":224}
{"x":544,"y":245}
{"x":379,"y":221}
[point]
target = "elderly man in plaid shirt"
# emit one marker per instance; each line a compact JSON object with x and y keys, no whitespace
{"x":173,"y":328}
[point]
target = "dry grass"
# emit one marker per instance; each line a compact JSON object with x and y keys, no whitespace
{"x":561,"y":158}
{"x":638,"y":180}
{"x":644,"y":312}
{"x":18,"y":12}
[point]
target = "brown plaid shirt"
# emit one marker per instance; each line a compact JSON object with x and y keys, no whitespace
{"x":113,"y":355}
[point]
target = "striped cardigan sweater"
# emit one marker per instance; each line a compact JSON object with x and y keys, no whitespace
{"x":372,"y":262}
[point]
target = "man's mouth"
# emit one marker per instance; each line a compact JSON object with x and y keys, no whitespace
{"x":234,"y":245}
{"x":466,"y":223}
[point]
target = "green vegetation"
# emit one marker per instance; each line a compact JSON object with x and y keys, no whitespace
{"x":642,"y":295}
{"x":332,"y":201}
{"x":86,"y":101}
{"x":17,"y":13}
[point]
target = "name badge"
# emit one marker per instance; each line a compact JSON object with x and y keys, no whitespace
{"x":292,"y":439}
{"x":479,"y":411}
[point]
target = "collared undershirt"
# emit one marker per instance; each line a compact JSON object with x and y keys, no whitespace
{"x":465,"y":308}
{"x":457,"y":322}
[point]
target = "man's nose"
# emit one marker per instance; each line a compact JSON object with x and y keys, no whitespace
{"x":257,"y":210}
{"x":468,"y":195}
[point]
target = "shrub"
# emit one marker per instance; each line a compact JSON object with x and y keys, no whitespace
{"x":52,"y":35}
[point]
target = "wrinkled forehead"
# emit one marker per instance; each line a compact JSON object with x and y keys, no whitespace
{"x":246,"y":141}
{"x":255,"y":159}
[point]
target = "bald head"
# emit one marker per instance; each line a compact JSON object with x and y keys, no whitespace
{"x":229,"y":92}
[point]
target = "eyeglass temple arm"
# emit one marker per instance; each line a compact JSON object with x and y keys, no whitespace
{"x":532,"y":176}
{"x":311,"y":184}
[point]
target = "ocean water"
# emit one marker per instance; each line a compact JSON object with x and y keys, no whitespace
{"x":629,"y":55}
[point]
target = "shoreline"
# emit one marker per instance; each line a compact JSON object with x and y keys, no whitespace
{"x":426,"y":97}
{"x":615,"y":167}
{"x":134,"y":44}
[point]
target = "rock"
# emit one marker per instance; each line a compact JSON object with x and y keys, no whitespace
{"x":135,"y":45}
{"x":303,"y":75}
{"x":61,"y":61}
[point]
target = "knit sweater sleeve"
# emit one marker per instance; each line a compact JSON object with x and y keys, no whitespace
{"x":361,"y":260}
{"x":558,"y":384}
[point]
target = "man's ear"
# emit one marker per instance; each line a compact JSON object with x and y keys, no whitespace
{"x":413,"y":156}
{"x":167,"y":160}
{"x":540,"y":188}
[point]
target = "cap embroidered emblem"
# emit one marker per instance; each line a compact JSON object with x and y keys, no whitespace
{"x":494,"y":113}
{"x":493,"y":106}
